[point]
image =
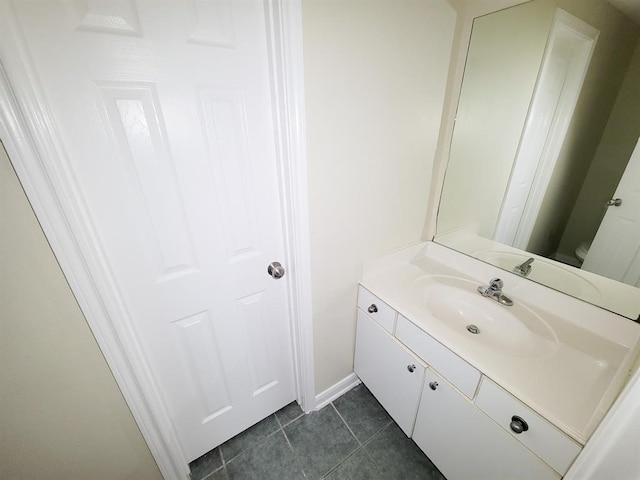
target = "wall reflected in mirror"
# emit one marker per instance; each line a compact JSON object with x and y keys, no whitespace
{"x":561,"y":168}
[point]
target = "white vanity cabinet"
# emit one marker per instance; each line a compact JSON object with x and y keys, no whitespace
{"x":465,"y":444}
{"x":389,"y":371}
{"x":461,"y":419}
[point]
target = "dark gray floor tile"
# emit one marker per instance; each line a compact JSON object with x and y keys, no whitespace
{"x":357,"y":467}
{"x":218,"y":475}
{"x":203,"y":466}
{"x":249,"y":437}
{"x":321,"y":440}
{"x":397,"y":456}
{"x":362,"y":412}
{"x":269,"y":459}
{"x":289,"y":413}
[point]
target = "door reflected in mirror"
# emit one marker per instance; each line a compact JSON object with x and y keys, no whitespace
{"x":544,"y":142}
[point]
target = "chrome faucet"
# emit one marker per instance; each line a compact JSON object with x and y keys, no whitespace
{"x":494,"y":292}
{"x":524,"y":268}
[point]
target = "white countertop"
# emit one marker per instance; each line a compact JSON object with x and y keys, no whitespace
{"x":572,"y":384}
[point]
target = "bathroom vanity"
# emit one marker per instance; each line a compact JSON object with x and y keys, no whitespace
{"x":487,"y":390}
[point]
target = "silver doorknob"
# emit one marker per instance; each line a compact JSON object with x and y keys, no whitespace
{"x":275,"y":270}
{"x":614,"y":202}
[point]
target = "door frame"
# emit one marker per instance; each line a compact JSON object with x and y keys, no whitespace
{"x":34,"y":147}
{"x":540,"y":148}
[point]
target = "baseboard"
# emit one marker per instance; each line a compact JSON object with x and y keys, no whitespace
{"x":330,"y":394}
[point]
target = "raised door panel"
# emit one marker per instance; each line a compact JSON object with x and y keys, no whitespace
{"x":389,"y":371}
{"x":466,"y":444}
{"x":163,"y":111}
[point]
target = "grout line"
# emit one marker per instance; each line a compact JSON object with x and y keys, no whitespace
{"x":302,"y":414}
{"x":356,"y":450}
{"x":376,"y":433}
{"x":362,"y":445}
{"x":333,"y":469}
{"x":295,"y":455}
{"x":346,"y":425}
{"x":278,"y":420}
{"x":370,"y":439}
{"x":210,"y":474}
{"x":252,"y":446}
{"x":224,"y":462}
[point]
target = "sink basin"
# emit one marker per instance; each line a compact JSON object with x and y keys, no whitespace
{"x":514,"y":331}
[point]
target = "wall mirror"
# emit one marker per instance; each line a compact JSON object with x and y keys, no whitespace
{"x":544,"y":160}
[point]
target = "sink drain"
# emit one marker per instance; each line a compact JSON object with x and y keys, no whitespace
{"x":473,"y":329}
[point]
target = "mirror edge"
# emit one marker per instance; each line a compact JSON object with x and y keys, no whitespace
{"x":467,"y":11}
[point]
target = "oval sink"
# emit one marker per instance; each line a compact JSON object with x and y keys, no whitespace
{"x":514,"y":331}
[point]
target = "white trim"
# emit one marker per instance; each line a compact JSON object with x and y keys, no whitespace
{"x":30,"y":139}
{"x":330,"y":394}
{"x":284,"y":32}
{"x":545,"y":129}
{"x":613,"y":448}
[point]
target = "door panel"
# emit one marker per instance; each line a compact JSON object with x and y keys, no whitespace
{"x":164,"y":113}
{"x":615,"y":250}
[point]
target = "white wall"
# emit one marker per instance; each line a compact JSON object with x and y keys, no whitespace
{"x":612,"y":452}
{"x":375,"y":74}
{"x":62,"y":415}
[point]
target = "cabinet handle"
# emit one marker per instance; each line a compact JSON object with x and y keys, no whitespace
{"x":372,"y":308}
{"x":518,"y":425}
{"x":411,"y":368}
{"x":433,"y":385}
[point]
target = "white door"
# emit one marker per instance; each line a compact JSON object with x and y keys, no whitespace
{"x":466,"y":444}
{"x":163,"y":109}
{"x":566,"y":60}
{"x":382,"y":364}
{"x":615,"y":250}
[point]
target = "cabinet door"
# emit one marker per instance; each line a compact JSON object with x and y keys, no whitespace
{"x":464,"y":443}
{"x":389,"y":371}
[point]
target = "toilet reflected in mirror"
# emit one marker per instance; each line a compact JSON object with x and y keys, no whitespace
{"x":581,"y":252}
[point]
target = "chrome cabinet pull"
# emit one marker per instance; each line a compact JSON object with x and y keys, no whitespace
{"x":518,"y":425}
{"x":372,"y":308}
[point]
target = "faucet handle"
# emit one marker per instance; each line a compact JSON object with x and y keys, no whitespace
{"x":485,"y":290}
{"x":496,"y":284}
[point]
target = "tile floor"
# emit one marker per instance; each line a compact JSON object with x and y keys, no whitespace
{"x":353,"y":438}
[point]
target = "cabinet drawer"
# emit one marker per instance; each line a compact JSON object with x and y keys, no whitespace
{"x":465,"y":444}
{"x":458,"y":372}
{"x":376,"y":309}
{"x":541,"y":437}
